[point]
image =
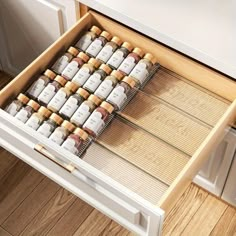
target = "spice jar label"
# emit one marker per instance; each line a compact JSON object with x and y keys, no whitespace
{"x":82,"y":75}
{"x":22,"y":115}
{"x":12,"y":109}
{"x":95,"y":122}
{"x":36,"y":88}
{"x":47,"y":94}
{"x":33,"y":122}
{"x":116,"y":59}
{"x":93,"y":82}
{"x":45,"y":130}
{"x":104,"y":89}
{"x":105,"y":53}
{"x":95,"y":47}
{"x":70,"y":146}
{"x":127,"y":65}
{"x":81,"y":114}
{"x":71,"y":70}
{"x":69,"y":107}
{"x":57,"y":137}
{"x":140,"y":72}
{"x":58,"y":100}
{"x":84,"y":42}
{"x":60,"y":64}
{"x":117,"y":96}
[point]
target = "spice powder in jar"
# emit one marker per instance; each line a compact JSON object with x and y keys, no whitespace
{"x":64,"y":60}
{"x":61,"y":96}
{"x":86,"y":71}
{"x":96,"y":121}
{"x":74,"y":141}
{"x":85,"y":110}
{"x":96,"y":46}
{"x":17,"y":104}
{"x":108,"y":84}
{"x":130,"y":61}
{"x":97,"y":77}
{"x":61,"y":132}
{"x":38,"y":117}
{"x":119,"y":55}
{"x":73,"y":103}
{"x":51,"y":89}
{"x":88,"y":38}
{"x":119,"y":94}
{"x":50,"y":125}
{"x":25,"y":112}
{"x":73,"y":67}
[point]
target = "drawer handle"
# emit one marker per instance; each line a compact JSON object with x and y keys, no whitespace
{"x":39,"y":148}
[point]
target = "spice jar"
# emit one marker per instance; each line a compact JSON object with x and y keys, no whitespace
{"x":25,"y":112}
{"x":96,"y":121}
{"x":61,"y":96}
{"x":119,"y":94}
{"x":51,"y":89}
{"x":143,"y":68}
{"x":75,"y":140}
{"x":97,"y":77}
{"x":109,"y":49}
{"x":96,"y":46}
{"x":119,"y":55}
{"x":64,"y":60}
{"x":85,"y":71}
{"x":73,"y":103}
{"x":17,"y":104}
{"x":73,"y":67}
{"x":130,"y":61}
{"x":88,"y":38}
{"x":50,"y":125}
{"x":85,"y":110}
{"x":61,"y":132}
{"x":108,"y":84}
{"x":38,"y":117}
{"x":37,"y":87}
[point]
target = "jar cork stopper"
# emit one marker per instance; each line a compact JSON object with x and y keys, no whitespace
{"x":129,"y":81}
{"x":50,"y":74}
{"x":24,"y":99}
{"x":128,"y":46}
{"x":56,"y":118}
{"x":61,"y":80}
{"x":83,"y":56}
{"x":84,"y":93}
{"x":117,"y":74}
{"x":106,"y":35}
{"x":150,"y":57}
{"x":66,"y":124}
{"x":106,"y":68}
{"x":33,"y":104}
{"x":81,"y":133}
{"x":73,"y":51}
{"x":94,"y":62}
{"x":138,"y":51}
{"x":94,"y":99}
{"x":72,"y":86}
{"x":95,"y":30}
{"x":44,"y":111}
{"x":107,"y":106}
{"x":116,"y":40}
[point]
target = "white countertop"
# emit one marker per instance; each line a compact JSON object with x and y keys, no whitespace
{"x":204,"y":30}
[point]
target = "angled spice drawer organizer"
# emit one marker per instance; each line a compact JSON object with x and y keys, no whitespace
{"x":144,"y":160}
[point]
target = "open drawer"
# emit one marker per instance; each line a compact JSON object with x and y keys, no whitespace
{"x":146,"y":158}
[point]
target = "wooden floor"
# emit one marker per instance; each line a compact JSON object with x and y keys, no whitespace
{"x":31,"y":204}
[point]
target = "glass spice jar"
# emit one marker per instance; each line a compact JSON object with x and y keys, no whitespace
{"x":73,"y":67}
{"x":38,"y":117}
{"x":143,"y":68}
{"x":109,"y":49}
{"x":73,"y":103}
{"x":25,"y":112}
{"x":37,"y":87}
{"x":64,"y":60}
{"x":88,"y":38}
{"x":97,"y":77}
{"x":61,"y":96}
{"x":51,"y":89}
{"x":130,"y":61}
{"x":108,"y":84}
{"x":17,"y":104}
{"x":85,"y":110}
{"x":119,"y":55}
{"x":75,"y":140}
{"x":96,"y":121}
{"x":85,"y":71}
{"x":96,"y":46}
{"x":48,"y":126}
{"x":119,"y":94}
{"x":61,"y":132}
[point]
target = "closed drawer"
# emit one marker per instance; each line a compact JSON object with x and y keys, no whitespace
{"x":144,"y":160}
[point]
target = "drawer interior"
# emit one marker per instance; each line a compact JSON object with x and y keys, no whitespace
{"x":157,"y":144}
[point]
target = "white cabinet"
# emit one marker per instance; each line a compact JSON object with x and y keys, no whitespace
{"x":29,"y":27}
